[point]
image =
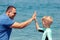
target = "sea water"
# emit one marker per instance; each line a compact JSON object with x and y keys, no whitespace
{"x":25,"y":10}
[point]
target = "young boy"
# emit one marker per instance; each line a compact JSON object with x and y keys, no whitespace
{"x":47,"y":33}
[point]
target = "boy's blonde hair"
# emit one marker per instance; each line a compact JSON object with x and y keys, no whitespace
{"x":48,"y":18}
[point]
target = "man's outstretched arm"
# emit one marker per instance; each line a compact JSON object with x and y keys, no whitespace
{"x":23,"y":24}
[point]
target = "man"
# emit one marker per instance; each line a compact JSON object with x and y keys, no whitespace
{"x":7,"y":23}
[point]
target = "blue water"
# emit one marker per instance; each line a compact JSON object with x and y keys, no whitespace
{"x":25,"y":9}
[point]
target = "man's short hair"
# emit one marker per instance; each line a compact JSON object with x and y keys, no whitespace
{"x":10,"y":7}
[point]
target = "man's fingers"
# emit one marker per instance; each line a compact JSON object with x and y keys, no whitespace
{"x":34,"y":13}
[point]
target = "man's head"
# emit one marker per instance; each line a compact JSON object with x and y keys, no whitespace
{"x":47,"y":21}
{"x":11,"y":11}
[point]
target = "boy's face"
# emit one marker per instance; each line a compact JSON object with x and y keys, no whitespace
{"x":45,"y":23}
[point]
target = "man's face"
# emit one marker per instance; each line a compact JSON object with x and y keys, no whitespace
{"x":12,"y":13}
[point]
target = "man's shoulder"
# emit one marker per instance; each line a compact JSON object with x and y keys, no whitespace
{"x":3,"y":17}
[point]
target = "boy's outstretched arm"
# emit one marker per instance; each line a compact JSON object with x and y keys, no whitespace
{"x":37,"y":25}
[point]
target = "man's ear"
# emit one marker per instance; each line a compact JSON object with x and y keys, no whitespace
{"x":9,"y":11}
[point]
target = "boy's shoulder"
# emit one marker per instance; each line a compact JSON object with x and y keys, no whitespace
{"x":48,"y":30}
